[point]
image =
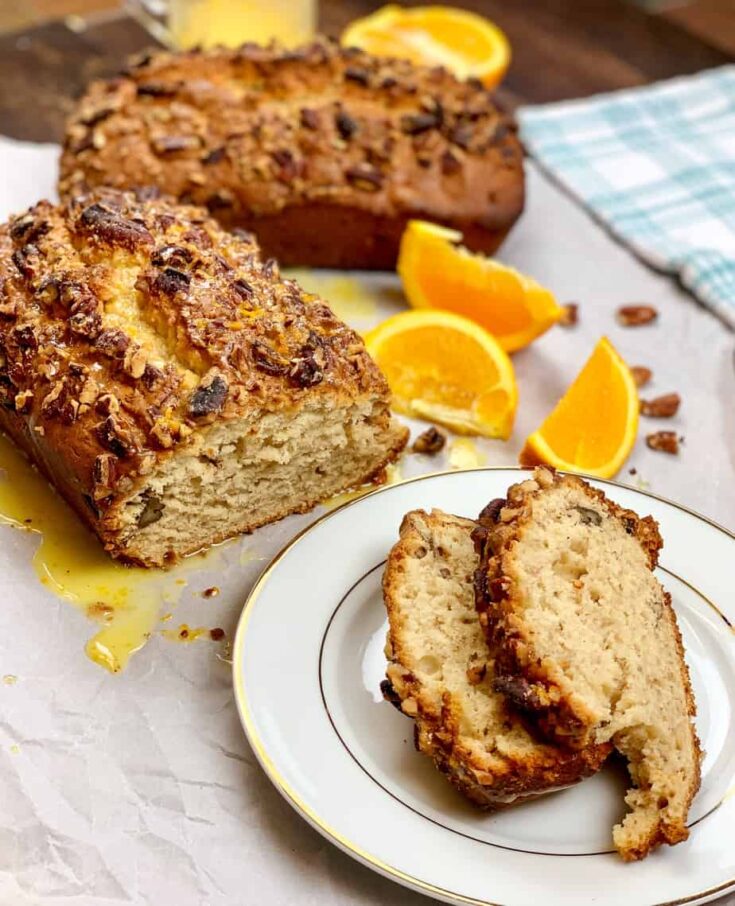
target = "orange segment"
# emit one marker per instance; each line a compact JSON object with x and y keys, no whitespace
{"x":465,"y":43}
{"x":446,"y":369}
{"x":437,"y":272}
{"x":593,"y":427}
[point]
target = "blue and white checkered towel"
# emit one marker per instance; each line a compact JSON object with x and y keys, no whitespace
{"x":657,"y":166}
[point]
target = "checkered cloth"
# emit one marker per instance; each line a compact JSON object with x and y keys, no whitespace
{"x":657,"y":166}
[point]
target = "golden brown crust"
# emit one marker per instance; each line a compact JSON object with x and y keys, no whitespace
{"x":324,"y":151}
{"x":495,"y":777}
{"x":127,"y":326}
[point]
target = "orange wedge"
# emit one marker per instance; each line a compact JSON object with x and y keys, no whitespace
{"x":463,"y":42}
{"x":446,"y":369}
{"x":593,"y":427}
{"x":439,"y":273}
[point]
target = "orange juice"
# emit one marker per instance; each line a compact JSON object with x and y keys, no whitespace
{"x":232,"y":22}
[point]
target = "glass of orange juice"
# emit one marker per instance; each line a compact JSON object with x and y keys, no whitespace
{"x":183,"y":24}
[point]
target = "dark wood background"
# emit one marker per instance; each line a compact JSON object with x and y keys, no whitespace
{"x":561,"y":49}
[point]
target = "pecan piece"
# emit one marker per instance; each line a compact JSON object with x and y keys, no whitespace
{"x":390,"y":694}
{"x":208,"y":397}
{"x":309,"y":119}
{"x":113,"y":438}
{"x":490,"y":514}
{"x":416,"y":123}
{"x":214,"y":156}
{"x":636,"y":315}
{"x":449,"y":163}
{"x":664,"y":406}
{"x":357,"y":74}
{"x":663,"y":441}
{"x":429,"y":442}
{"x":461,"y":135}
{"x":170,"y":144}
{"x":171,"y":256}
{"x":641,"y":375}
{"x":306,"y":372}
{"x":104,"y":470}
{"x":171,"y":281}
{"x":267,"y":359}
{"x":109,"y":226}
{"x":476,"y":673}
{"x":570,"y":315}
{"x":346,"y":126}
{"x":519,"y":691}
{"x":367,"y":179}
{"x":155,"y":90}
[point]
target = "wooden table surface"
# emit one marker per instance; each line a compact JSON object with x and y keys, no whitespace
{"x":561,"y":49}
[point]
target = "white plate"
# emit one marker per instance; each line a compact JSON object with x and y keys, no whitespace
{"x":308,"y":661}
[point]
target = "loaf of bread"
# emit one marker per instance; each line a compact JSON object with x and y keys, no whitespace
{"x":588,"y":643}
{"x":324,"y":152}
{"x":170,"y":384}
{"x":441,"y":672}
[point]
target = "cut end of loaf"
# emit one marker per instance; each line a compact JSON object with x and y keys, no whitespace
{"x":245,"y":473}
{"x":588,"y":641}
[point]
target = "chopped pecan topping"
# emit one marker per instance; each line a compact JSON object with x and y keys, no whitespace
{"x":111,"y":435}
{"x":570,"y":315}
{"x":104,"y":470}
{"x":171,"y":281}
{"x":663,"y":441}
{"x":220,"y":199}
{"x":268,"y":360}
{"x":497,"y":589}
{"x":429,"y":442}
{"x":171,"y":256}
{"x":25,"y":337}
{"x":461,"y":135}
{"x":490,"y":514}
{"x":390,"y":694}
{"x":27,"y":228}
{"x":24,"y":401}
{"x":357,"y":74}
{"x":365,"y":178}
{"x":208,"y":397}
{"x":107,"y":404}
{"x":244,"y":290}
{"x":97,"y":116}
{"x":416,"y":123}
{"x":306,"y":372}
{"x":346,"y":126}
{"x":288,"y":167}
{"x":214,"y":156}
{"x":309,"y":119}
{"x":134,"y":361}
{"x":156,"y":90}
{"x":450,"y":163}
{"x":171,"y":144}
{"x":665,"y":406}
{"x":636,"y":315}
{"x":110,"y":226}
{"x":519,"y":691}
{"x":22,"y":260}
{"x":112,"y":343}
{"x":641,"y":375}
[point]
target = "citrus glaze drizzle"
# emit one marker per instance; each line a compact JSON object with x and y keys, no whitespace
{"x":70,"y":562}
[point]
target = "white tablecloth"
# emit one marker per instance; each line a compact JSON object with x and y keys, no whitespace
{"x":140,"y":787}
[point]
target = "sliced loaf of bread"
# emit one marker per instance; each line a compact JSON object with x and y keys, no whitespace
{"x":587,"y":641}
{"x":441,"y":672}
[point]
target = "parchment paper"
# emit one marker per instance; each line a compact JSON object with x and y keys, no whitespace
{"x":140,"y":787}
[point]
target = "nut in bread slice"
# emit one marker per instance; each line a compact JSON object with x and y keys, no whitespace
{"x":588,"y":642}
{"x":441,"y":672}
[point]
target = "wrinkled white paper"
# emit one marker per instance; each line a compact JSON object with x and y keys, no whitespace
{"x":140,"y":787}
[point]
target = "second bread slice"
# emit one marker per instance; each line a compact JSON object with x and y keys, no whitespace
{"x":442,"y":675}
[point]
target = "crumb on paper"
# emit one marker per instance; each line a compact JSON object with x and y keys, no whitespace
{"x":10,"y":679}
{"x":210,"y":592}
{"x":216,"y":634}
{"x":570,"y":315}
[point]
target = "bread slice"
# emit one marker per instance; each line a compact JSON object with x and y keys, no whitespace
{"x":588,"y":642}
{"x":441,"y":672}
{"x":171,"y":384}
